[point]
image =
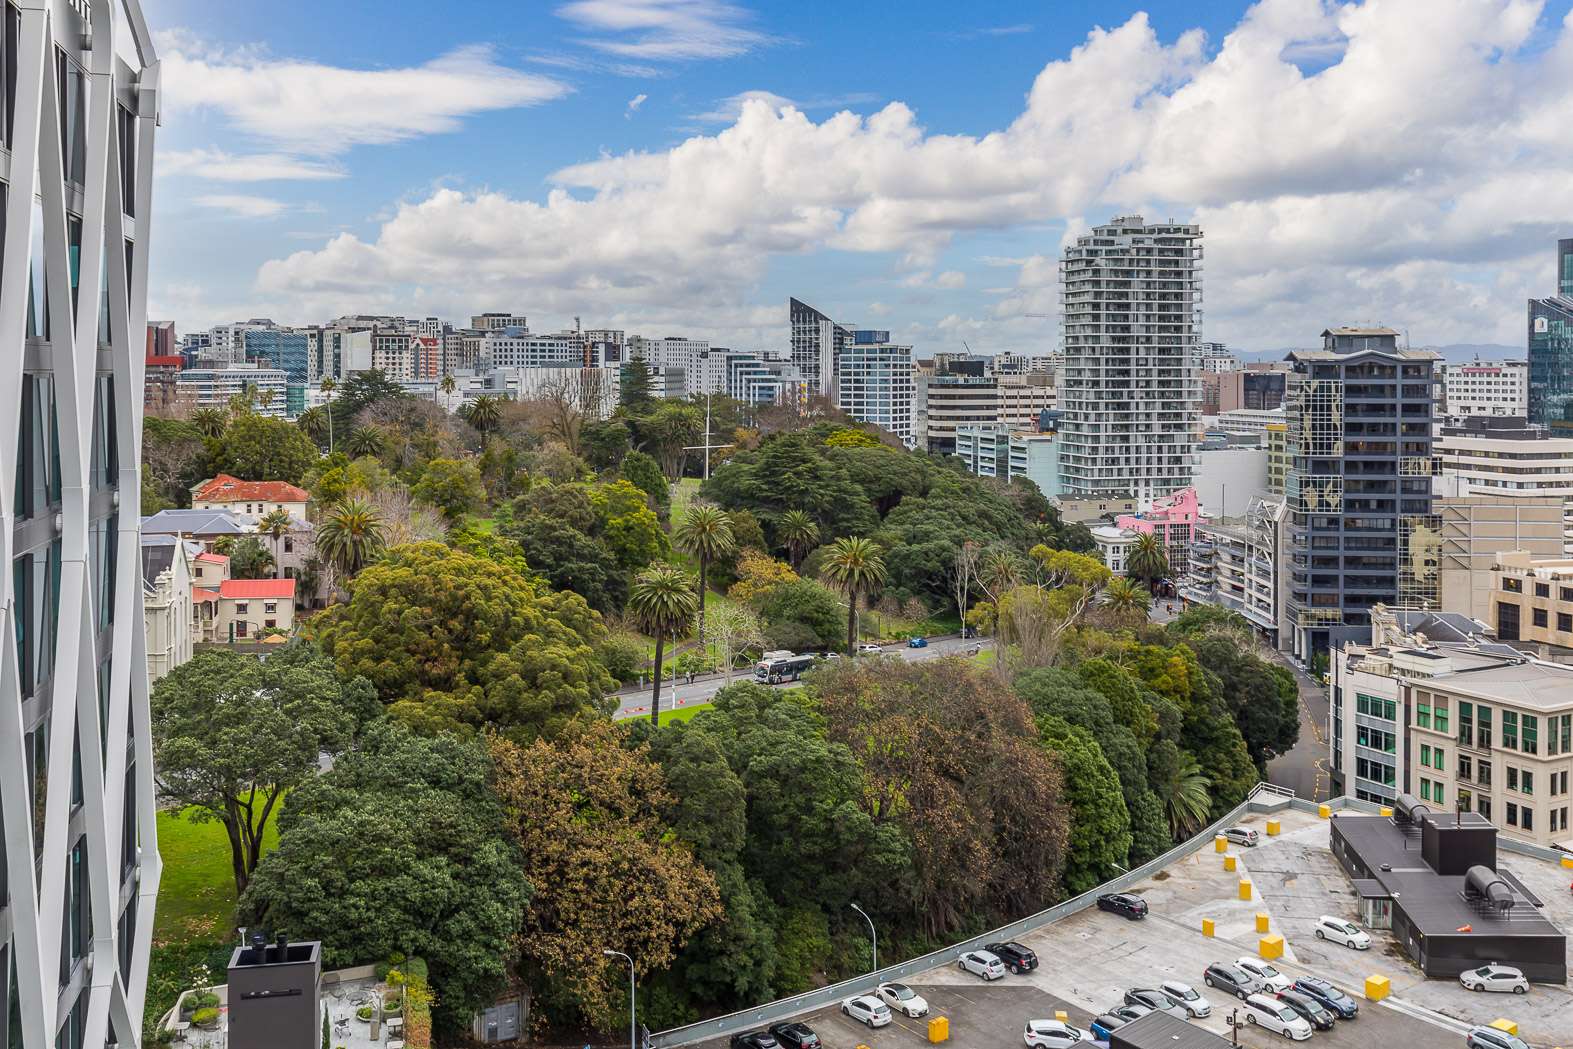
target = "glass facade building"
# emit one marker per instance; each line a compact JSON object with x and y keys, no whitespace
{"x":1551,"y":350}
{"x":286,"y":351}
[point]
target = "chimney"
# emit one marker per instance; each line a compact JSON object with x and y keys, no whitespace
{"x":281,"y":952}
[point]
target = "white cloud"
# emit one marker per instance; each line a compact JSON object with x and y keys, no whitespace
{"x":727,"y":110}
{"x":1414,"y":179}
{"x":633,"y":105}
{"x":242,"y":205}
{"x":951,"y":279}
{"x":665,"y":30}
{"x":311,"y":108}
{"x":220,"y":166}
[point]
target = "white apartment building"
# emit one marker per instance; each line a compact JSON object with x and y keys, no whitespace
{"x":993,"y":451}
{"x":1024,"y":363}
{"x":1248,"y":421}
{"x":1236,"y":564}
{"x":213,"y":387}
{"x":488,"y":322}
{"x":519,"y":348}
{"x":1216,"y":357}
{"x":874,"y":383}
{"x":1499,"y":388}
{"x":1023,"y":399}
{"x":945,"y":403}
{"x":592,"y":391}
{"x":1132,"y":297}
{"x":1114,"y":546}
{"x":166,"y":601}
{"x":227,"y":342}
{"x":1507,"y":459}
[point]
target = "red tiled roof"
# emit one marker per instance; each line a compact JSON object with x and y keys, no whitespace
{"x":208,"y":555}
{"x":200,"y":594}
{"x":227,"y":489}
{"x":244,"y":589}
{"x":165,"y":362}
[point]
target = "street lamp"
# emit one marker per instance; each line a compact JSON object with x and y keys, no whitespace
{"x":632,"y":1038}
{"x":874,"y":936}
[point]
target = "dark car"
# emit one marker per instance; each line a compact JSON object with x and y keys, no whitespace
{"x":1105,"y":1025}
{"x":1018,"y":958}
{"x":1131,"y":1013}
{"x":755,"y":1040}
{"x":795,"y":1036}
{"x":1231,"y":978}
{"x":1131,"y":906}
{"x":1334,"y":1000}
{"x":1318,"y":1014}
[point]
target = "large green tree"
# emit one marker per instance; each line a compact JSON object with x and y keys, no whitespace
{"x":453,"y":486}
{"x":569,"y":559}
{"x":1099,"y":844}
{"x":351,"y":536}
{"x":705,"y":532}
{"x":259,"y":448}
{"x":857,"y":566}
{"x":663,"y":603}
{"x":644,"y":473}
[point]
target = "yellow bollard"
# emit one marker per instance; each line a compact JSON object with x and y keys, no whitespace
{"x":939,"y":1029}
{"x":1386,"y":811}
{"x":1245,"y":889}
{"x":1062,"y":1016}
{"x":1270,"y":947}
{"x":1506,"y":1027}
{"x":1230,"y":861}
{"x":1567,"y":861}
{"x":1208,"y":928}
{"x":1377,"y":988}
{"x":1261,"y":921}
{"x":1273,"y":828}
{"x":1220,"y":844}
{"x":1324,"y":811}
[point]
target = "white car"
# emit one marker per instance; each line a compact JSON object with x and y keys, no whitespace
{"x":1053,"y":1034}
{"x":903,"y":999}
{"x":983,"y":964}
{"x":1271,"y":978}
{"x":1339,"y":931}
{"x":1495,"y":977}
{"x":1187,"y":998}
{"x":1275,"y":1016}
{"x":1242,"y":836}
{"x":866,"y":1009}
{"x":868,"y":648}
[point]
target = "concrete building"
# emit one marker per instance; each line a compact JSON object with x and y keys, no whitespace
{"x":1024,"y":398}
{"x":1132,"y":299}
{"x":1499,"y":388}
{"x":946,"y":402}
{"x":166,"y":601}
{"x":1509,"y":459}
{"x":249,"y":500}
{"x":1114,"y":546}
{"x":162,"y":393}
{"x":1173,"y":519}
{"x":1248,"y":422}
{"x":1276,"y":438}
{"x":1475,"y":529}
{"x":1550,"y":340}
{"x":874,"y":382}
{"x":1090,"y":510}
{"x":519,"y":348}
{"x":592,"y":391}
{"x":1362,"y":528}
{"x":1229,"y":476}
{"x":213,"y":387}
{"x":816,"y":344}
{"x":161,"y":340}
{"x":79,"y":862}
{"x":1217,"y":358}
{"x":1236,"y":563}
{"x":1532,"y":601}
{"x":485,"y":322}
{"x":993,"y":451}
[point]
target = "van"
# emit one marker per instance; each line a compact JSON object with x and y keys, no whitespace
{"x":1277,"y":1017}
{"x":1243,"y":836}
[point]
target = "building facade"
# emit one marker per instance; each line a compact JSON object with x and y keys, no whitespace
{"x":874,"y":382}
{"x":1550,"y":339}
{"x":204,"y":387}
{"x":1024,"y":398}
{"x":166,"y":602}
{"x":1532,"y":601}
{"x":1173,"y":519}
{"x":1510,"y":460}
{"x":948,"y":402}
{"x":1475,"y":532}
{"x":79,"y":871}
{"x":1132,"y":299}
{"x":1499,"y":388}
{"x":816,"y":344}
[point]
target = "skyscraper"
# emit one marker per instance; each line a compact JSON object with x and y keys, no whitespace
{"x":1551,"y":349}
{"x":1131,"y":293}
{"x":873,"y":382}
{"x":79,"y":867}
{"x":817,"y":341}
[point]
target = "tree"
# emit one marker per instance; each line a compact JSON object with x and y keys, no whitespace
{"x":446,"y":386}
{"x":645,"y":474}
{"x":362,"y":390}
{"x":586,"y":812}
{"x":852,"y":438}
{"x":314,"y":423}
{"x":604,"y":443}
{"x":799,"y":532}
{"x":633,"y":392}
{"x":806,"y":603}
{"x":732,"y":630}
{"x":1183,"y":788}
{"x":351,"y":536}
{"x":1147,"y":561}
{"x":211,"y":422}
{"x":1099,"y":843}
{"x":757,"y":575}
{"x":259,"y":448}
{"x":669,"y":430}
{"x":1126,"y":600}
{"x":663,"y":603}
{"x":483,"y":413}
{"x":275,"y":524}
{"x":571,"y":399}
{"x":456,"y":642}
{"x":232,"y":733}
{"x":365,"y":441}
{"x":432,"y":871}
{"x":327,"y":386}
{"x":568,"y":559}
{"x":856,"y":567}
{"x":705,"y":532}
{"x":249,"y":559}
{"x":452,"y":486}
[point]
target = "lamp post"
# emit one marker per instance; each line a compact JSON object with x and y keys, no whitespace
{"x":632,"y":1035}
{"x":873,"y":936}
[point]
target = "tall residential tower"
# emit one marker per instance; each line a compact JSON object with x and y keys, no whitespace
{"x":1551,"y":350}
{"x":79,"y":867}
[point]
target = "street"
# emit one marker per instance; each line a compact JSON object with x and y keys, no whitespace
{"x":1304,"y":769}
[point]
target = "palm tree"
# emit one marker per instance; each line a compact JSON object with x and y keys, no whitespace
{"x":1126,"y":599}
{"x":484,"y":413}
{"x":327,"y":385}
{"x":265,"y":399}
{"x":1188,"y":800}
{"x":352,"y":535}
{"x":799,"y":532}
{"x":999,"y":572}
{"x":364,"y":440}
{"x":1147,"y":561}
{"x":275,"y":523}
{"x":856,"y":567}
{"x":662,"y":602}
{"x":447,"y":386}
{"x":705,"y":532}
{"x":210,"y":421}
{"x":315,"y":423}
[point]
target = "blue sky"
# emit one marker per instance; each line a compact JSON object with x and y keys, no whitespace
{"x":1390,"y":160}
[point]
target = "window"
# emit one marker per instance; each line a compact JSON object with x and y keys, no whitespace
{"x":1439,"y":714}
{"x":1564,"y":622}
{"x":1527,"y":818}
{"x":1530,"y":743}
{"x":1465,"y":767}
{"x":1483,"y":733}
{"x":1512,"y":778}
{"x":1509,"y":730}
{"x":1528,"y":781}
{"x":1436,"y":793}
{"x":1484,"y":777}
{"x":1440,"y":760}
{"x":1513,"y":586}
{"x":1542,"y":589}
{"x":1539,"y":616}
{"x":1423,"y":715}
{"x":1465,"y":798}
{"x":1466,"y":723}
{"x":1425,"y":755}
{"x":1483,"y":806}
{"x":1562,"y":778}
{"x":269,"y":607}
{"x":1512,"y":814}
{"x":242,"y":607}
{"x":1425,"y":789}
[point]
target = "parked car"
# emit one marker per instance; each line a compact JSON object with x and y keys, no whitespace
{"x":1128,"y":904}
{"x":1495,"y":977}
{"x":1492,"y":1038}
{"x":1243,"y":836}
{"x":1104,"y":1026}
{"x":1339,"y":1003}
{"x":1231,"y":978}
{"x":866,"y":1009}
{"x":1187,"y":998}
{"x":1156,"y":1001}
{"x":1271,"y":978}
{"x":1277,"y":1017}
{"x":917,"y":642}
{"x":1053,"y":1034}
{"x":903,"y":999}
{"x":1130,"y":1013}
{"x":1319,"y":1016}
{"x":1018,"y":958}
{"x":1339,"y":931}
{"x":983,"y":964}
{"x":870,"y":649}
{"x":794,"y":1035}
{"x":755,"y":1040}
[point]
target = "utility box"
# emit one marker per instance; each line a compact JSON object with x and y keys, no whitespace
{"x":1270,"y":947}
{"x":275,"y":995}
{"x":1377,"y":988}
{"x":939,"y":1029}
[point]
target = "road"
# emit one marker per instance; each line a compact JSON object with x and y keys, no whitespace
{"x":1304,"y":769}
{"x":635,"y":701}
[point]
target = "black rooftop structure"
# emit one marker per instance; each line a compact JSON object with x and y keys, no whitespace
{"x":1162,"y":1031}
{"x":1435,"y":881}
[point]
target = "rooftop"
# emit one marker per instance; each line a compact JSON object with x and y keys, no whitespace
{"x":258,"y":589}
{"x":193,"y":522}
{"x":227,"y":489}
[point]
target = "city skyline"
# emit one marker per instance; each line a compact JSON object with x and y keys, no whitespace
{"x":653,"y":176}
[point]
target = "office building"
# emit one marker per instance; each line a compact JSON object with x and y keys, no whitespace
{"x":1362,"y":528}
{"x":816,"y":345}
{"x":1216,"y":357}
{"x":1113,"y":544}
{"x":212,"y":387}
{"x":1532,"y":599}
{"x":993,"y":451}
{"x":1499,"y":388}
{"x":1235,"y":563}
{"x":488,"y":322}
{"x":1254,"y":389}
{"x":284,"y":349}
{"x":874,"y":382}
{"x":1252,"y":422}
{"x":1024,"y":398}
{"x":1551,"y":350}
{"x":519,"y":348}
{"x":1229,"y":476}
{"x":958,"y":394}
{"x":1275,"y":436}
{"x":1475,"y":531}
{"x":161,"y":340}
{"x":1508,"y":459}
{"x":1132,"y":299}
{"x":79,"y":866}
{"x":161,"y":391}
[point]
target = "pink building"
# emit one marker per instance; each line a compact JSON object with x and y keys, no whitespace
{"x":1173,"y":519}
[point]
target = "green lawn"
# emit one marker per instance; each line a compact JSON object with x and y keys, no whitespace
{"x":196,"y":896}
{"x":683,"y":493}
{"x":683,"y":713}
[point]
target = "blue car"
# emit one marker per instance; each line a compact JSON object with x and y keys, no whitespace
{"x":918,"y":642}
{"x":1105,"y":1025}
{"x":1331,"y":998}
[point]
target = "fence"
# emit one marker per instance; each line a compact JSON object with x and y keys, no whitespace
{"x":1263,"y":797}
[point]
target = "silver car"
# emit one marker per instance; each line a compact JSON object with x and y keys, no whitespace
{"x":1493,"y":977}
{"x":1157,"y":1000}
{"x":982,"y":963}
{"x":1187,"y":998}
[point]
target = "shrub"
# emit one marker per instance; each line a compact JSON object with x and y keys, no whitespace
{"x":203,"y":1000}
{"x":363,"y":1013}
{"x":205,"y":1017}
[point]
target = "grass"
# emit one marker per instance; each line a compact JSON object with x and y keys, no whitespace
{"x":196,"y":896}
{"x":683,"y":493}
{"x":683,"y":713}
